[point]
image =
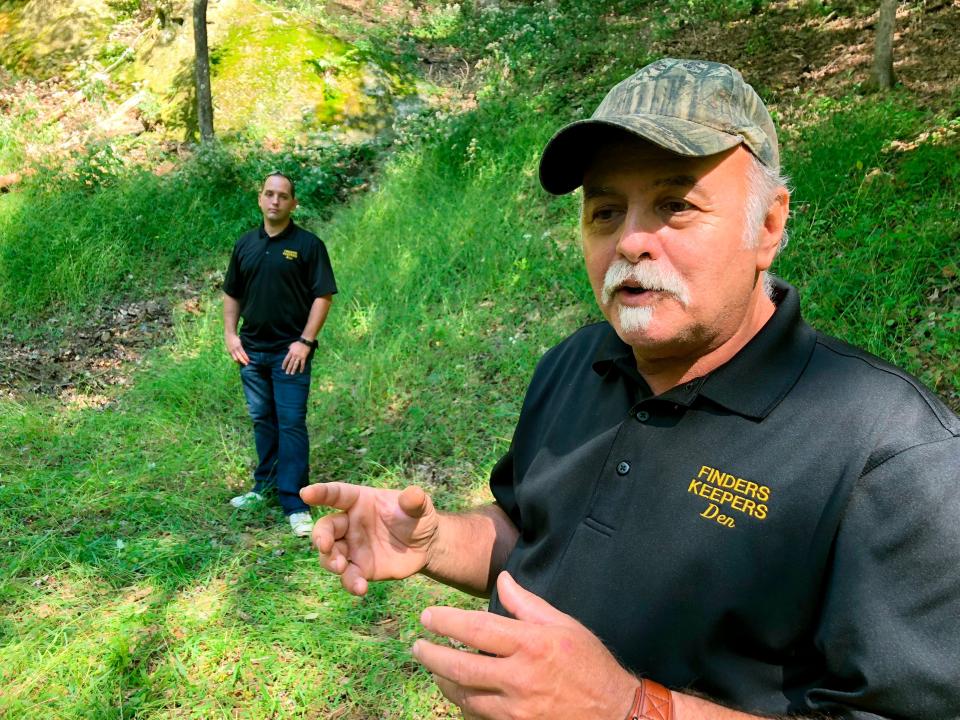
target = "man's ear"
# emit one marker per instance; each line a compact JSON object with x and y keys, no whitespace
{"x":771,"y":232}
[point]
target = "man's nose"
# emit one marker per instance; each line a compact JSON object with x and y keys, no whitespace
{"x":639,"y":238}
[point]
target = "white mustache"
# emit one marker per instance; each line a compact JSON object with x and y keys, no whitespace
{"x":648,"y":275}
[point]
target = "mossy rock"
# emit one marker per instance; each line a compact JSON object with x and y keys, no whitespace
{"x":42,"y":38}
{"x":274,"y":76}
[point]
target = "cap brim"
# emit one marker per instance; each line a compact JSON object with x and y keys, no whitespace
{"x":568,"y":153}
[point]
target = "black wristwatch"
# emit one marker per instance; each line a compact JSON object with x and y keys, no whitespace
{"x":312,"y":344}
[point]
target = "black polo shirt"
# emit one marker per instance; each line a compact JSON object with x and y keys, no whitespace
{"x":276,"y":279}
{"x":782,"y":534}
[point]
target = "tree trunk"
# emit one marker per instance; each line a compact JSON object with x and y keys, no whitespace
{"x":202,"y":67}
{"x":881,"y":76}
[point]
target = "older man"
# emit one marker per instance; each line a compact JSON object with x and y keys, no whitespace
{"x":708,"y":510}
{"x":281,"y":283}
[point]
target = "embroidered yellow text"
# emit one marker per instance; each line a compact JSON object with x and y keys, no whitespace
{"x":724,"y":490}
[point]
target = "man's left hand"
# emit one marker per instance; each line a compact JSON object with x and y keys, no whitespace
{"x":546,"y":663}
{"x":296,"y":359}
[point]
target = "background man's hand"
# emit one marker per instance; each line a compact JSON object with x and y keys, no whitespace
{"x":547,"y":664}
{"x":377,"y":535}
{"x":296,"y":359}
{"x":235,"y":348}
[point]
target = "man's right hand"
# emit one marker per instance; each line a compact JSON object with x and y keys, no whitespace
{"x":235,"y":348}
{"x":377,"y":535}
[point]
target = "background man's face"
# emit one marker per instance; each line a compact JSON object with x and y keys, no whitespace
{"x":666,"y":233}
{"x":276,"y":200}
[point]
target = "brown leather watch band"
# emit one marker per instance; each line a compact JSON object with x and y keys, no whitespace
{"x":651,"y":701}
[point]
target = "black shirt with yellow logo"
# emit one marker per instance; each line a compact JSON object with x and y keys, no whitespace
{"x":276,"y":281}
{"x":782,"y":535}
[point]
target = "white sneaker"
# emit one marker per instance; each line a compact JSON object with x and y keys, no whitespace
{"x":301,"y":523}
{"x":247,"y":499}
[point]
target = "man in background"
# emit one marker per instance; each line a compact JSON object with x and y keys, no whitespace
{"x":281,"y":284}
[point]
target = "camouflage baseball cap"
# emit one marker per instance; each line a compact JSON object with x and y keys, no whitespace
{"x":690,"y":107}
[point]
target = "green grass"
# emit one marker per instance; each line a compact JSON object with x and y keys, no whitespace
{"x":128,"y":586}
{"x":875,"y":227}
{"x":99,"y":230}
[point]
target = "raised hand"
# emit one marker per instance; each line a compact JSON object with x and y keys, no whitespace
{"x":376,"y":535}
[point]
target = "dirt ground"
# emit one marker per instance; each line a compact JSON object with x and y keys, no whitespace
{"x":784,"y":51}
{"x":80,"y":364}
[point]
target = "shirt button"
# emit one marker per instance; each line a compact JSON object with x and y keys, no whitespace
{"x":623,"y":468}
{"x":643,"y":416}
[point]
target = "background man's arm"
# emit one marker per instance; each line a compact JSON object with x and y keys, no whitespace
{"x":318,"y":316}
{"x":231,"y":318}
{"x":297,"y":353}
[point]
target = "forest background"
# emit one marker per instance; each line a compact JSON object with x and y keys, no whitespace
{"x":128,"y":587}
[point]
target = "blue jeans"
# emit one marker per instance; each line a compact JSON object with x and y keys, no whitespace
{"x":277,"y":403}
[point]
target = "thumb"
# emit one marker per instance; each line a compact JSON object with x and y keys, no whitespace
{"x":414,"y":502}
{"x":526,"y":606}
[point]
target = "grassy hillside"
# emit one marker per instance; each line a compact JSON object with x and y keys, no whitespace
{"x":129,"y":588}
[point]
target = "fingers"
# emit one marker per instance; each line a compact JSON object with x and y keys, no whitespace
{"x":353,"y":581}
{"x":468,"y":670}
{"x":474,"y":704}
{"x":527,"y":607}
{"x":414,"y":502}
{"x":337,"y":495}
{"x":236,"y":351}
{"x":293,"y":363}
{"x":334,"y":551}
{"x":327,"y":530}
{"x":479,"y":629}
{"x":239,"y":356}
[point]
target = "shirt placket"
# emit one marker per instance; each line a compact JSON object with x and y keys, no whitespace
{"x":622,"y":471}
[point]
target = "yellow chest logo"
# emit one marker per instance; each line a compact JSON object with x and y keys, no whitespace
{"x":725,"y":491}
{"x":290,"y":254}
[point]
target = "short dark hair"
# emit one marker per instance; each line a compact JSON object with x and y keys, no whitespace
{"x":277,"y":173}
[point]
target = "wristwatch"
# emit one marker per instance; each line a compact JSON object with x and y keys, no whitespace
{"x":312,"y":344}
{"x":651,"y":701}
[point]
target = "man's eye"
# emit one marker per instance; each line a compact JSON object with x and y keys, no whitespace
{"x":604,"y":214}
{"x":676,"y":206}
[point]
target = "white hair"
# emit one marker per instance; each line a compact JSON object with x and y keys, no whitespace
{"x":763,"y":183}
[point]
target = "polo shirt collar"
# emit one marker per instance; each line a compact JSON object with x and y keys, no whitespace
{"x":282,"y":235}
{"x":758,"y":377}
{"x":614,"y":356}
{"x":751,"y":383}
